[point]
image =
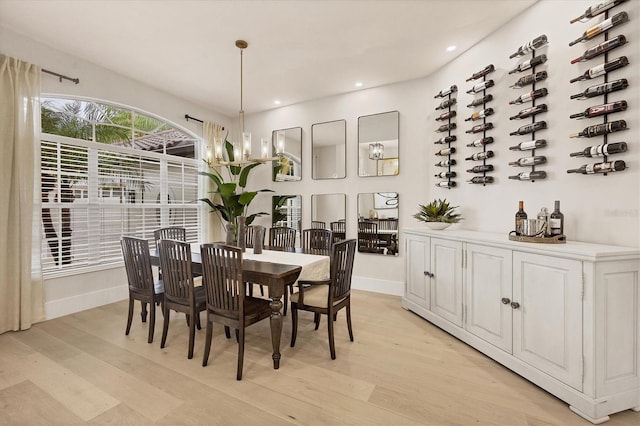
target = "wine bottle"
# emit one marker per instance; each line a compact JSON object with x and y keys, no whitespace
{"x":556,"y":220}
{"x":480,"y":156}
{"x":486,"y":70}
{"x":481,"y":101}
{"x":536,"y":43}
{"x":529,"y":79}
{"x":446,"y":163}
{"x":604,"y":167}
{"x":538,"y":60}
{"x":528,"y":97}
{"x":530,"y":128}
{"x":446,"y":115}
{"x":601,"y":89}
{"x":446,"y":127}
{"x":445,"y":175}
{"x":534,"y":175}
{"x":446,"y":151}
{"x":529,"y":112}
{"x":481,"y":168}
{"x":603,"y":26}
{"x":602,"y":69}
{"x":480,"y":114}
{"x":446,"y":92}
{"x":481,"y":142}
{"x":601,"y":150}
{"x":543,"y":216}
{"x":600,"y":129}
{"x":521,"y":216}
{"x":596,"y":10}
{"x":446,"y":103}
{"x":480,"y":128}
{"x":603,"y":109}
{"x":529,"y":161}
{"x":446,"y":184}
{"x":481,"y":86}
{"x":446,"y":139}
{"x":481,"y":179}
{"x":529,"y":145}
{"x":600,"y":49}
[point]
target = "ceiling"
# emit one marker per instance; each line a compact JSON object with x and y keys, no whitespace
{"x":298,"y":49}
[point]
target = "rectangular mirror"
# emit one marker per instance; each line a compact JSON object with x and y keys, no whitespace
{"x":329,"y":150}
{"x":378,"y":223}
{"x":286,"y":144}
{"x":286,"y":210}
{"x":378,"y":138}
{"x":328,"y":211}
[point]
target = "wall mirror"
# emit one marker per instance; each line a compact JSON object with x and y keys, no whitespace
{"x":286,"y":210}
{"x":329,"y":150}
{"x":328,"y":211}
{"x":378,"y":223}
{"x":378,"y":137}
{"x":287,"y":145}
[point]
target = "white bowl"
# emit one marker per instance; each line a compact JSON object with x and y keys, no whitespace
{"x":438,"y":226}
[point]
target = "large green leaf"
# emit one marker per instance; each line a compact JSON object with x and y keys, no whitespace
{"x":246,"y":197}
{"x":244,"y":174}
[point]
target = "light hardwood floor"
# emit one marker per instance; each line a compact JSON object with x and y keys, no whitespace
{"x":400,"y":370}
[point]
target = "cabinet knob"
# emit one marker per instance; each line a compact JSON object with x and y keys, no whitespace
{"x":428,"y":274}
{"x":505,"y":301}
{"x":515,"y":305}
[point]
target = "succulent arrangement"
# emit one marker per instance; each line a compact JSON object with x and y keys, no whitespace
{"x":438,"y":211}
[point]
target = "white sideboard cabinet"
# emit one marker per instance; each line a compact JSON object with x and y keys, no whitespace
{"x":564,"y":316}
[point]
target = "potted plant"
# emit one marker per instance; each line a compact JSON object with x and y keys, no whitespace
{"x":438,"y":214}
{"x":230,"y":199}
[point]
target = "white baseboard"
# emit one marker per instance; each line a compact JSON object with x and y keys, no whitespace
{"x":395,"y":288}
{"x":81,"y":302}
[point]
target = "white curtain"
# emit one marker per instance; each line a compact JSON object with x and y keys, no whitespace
{"x":213,"y":226}
{"x":21,"y":286}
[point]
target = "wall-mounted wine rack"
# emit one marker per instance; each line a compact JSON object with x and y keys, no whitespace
{"x":606,"y":108}
{"x":533,"y":79}
{"x":448,"y":118}
{"x":481,"y":88}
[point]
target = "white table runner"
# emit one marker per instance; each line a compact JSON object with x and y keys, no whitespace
{"x":314,"y":267}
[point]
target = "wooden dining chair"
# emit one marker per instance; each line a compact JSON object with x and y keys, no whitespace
{"x":180,"y":293}
{"x":170,"y":233}
{"x":227,"y":303}
{"x":142,"y":287}
{"x":282,"y":238}
{"x":339,"y":230}
{"x":316,"y":224}
{"x":316,"y":241}
{"x":368,"y":238}
{"x":327,"y":297}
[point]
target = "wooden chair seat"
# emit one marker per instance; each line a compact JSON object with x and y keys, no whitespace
{"x":315,"y":296}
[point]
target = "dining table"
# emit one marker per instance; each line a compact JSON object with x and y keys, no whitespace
{"x":275,"y":269}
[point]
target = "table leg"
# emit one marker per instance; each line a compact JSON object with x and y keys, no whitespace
{"x":276,"y":324}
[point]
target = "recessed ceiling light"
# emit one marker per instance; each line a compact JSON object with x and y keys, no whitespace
{"x":277,"y":102}
{"x":359,"y":84}
{"x":451,"y":48}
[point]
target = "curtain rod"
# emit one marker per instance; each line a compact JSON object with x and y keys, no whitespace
{"x":188,"y":117}
{"x":60,"y":76}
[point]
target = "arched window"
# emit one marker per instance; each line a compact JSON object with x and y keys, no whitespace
{"x":109,"y":171}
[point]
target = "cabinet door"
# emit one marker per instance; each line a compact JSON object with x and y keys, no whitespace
{"x":488,"y":276}
{"x":417,"y":252}
{"x":446,"y":280}
{"x":547,"y":322}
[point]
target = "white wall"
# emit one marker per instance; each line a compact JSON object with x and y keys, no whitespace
{"x":600,"y":209}
{"x":64,"y":295}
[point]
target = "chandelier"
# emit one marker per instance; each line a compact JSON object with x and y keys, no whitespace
{"x":242,"y":149}
{"x":376,"y":151}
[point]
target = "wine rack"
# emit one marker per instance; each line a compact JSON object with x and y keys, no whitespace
{"x":447,"y":117}
{"x":533,"y":80}
{"x":604,"y":88}
{"x":480,"y":171}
